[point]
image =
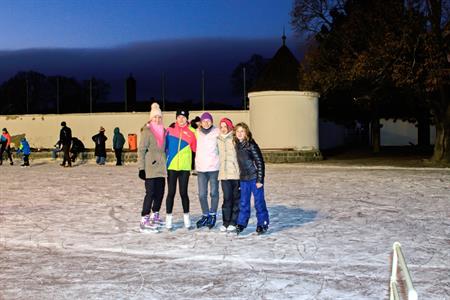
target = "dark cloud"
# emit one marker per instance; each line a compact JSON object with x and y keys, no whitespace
{"x":180,"y":60}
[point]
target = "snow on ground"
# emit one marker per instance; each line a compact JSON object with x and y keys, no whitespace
{"x":72,"y":234}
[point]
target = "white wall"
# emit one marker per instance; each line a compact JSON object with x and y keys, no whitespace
{"x":42,"y":131}
{"x":401,"y":133}
{"x":285,"y":119}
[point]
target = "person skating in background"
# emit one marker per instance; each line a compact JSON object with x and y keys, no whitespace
{"x":228,"y":176}
{"x":152,"y":168}
{"x":65,"y":140}
{"x":180,"y":143}
{"x":3,"y":141}
{"x":6,"y":146}
{"x":118,"y":142}
{"x":100,"y":146}
{"x":252,"y":171}
{"x":77,"y":147}
{"x":24,"y":147}
{"x":207,"y":166}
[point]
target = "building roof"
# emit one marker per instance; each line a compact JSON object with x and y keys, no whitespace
{"x":281,"y":74}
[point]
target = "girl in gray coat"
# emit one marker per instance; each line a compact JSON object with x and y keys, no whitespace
{"x":228,"y":176}
{"x":152,"y":169}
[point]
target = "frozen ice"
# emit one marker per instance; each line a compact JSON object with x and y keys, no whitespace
{"x":73,"y":233}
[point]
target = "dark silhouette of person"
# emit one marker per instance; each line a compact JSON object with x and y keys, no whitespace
{"x":65,"y":139}
{"x":77,"y":147}
{"x":118,"y":142}
{"x":100,"y":146}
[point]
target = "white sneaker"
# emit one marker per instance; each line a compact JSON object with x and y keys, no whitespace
{"x":169,"y":221}
{"x":223,"y":228}
{"x":187,"y":221}
{"x":231,"y":228}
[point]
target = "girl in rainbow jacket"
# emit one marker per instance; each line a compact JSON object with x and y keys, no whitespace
{"x":180,"y":143}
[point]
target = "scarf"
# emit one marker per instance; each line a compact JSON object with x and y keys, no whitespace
{"x":206,"y":131}
{"x":158,"y":132}
{"x":224,"y":136}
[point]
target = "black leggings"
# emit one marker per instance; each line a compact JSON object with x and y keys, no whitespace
{"x":4,"y":148}
{"x":183,"y":181}
{"x":231,"y":200}
{"x":154,"y":193}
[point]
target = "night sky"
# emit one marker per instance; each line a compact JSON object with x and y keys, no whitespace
{"x":111,"y":39}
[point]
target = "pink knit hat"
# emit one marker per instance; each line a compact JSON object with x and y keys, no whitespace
{"x":228,"y":122}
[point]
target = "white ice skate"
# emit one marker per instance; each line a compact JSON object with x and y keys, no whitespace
{"x":187,"y":221}
{"x":169,"y":225}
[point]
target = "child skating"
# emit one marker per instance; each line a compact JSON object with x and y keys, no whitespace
{"x":24,"y":148}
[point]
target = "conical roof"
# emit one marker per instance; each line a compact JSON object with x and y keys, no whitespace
{"x":281,"y":74}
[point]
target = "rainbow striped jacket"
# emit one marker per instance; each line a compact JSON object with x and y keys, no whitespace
{"x":180,"y":143}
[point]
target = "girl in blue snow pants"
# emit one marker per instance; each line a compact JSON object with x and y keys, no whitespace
{"x":252,"y":171}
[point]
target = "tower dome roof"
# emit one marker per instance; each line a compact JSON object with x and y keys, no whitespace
{"x":281,"y":74}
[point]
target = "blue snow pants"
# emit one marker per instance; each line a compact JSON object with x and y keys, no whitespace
{"x":248,"y":187}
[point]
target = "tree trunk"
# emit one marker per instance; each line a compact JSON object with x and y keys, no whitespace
{"x":423,"y":132}
{"x":442,"y":145}
{"x":375,"y":134}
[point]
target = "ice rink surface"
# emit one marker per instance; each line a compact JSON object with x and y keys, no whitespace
{"x":72,"y":233}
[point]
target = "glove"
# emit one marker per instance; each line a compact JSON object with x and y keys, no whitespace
{"x":142,"y":174}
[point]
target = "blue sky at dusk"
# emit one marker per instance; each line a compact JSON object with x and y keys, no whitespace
{"x":110,"y":39}
{"x":106,"y":23}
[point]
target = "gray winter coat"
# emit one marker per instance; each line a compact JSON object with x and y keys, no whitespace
{"x":151,"y":158}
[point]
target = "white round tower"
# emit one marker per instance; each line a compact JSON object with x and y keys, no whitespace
{"x":281,"y":115}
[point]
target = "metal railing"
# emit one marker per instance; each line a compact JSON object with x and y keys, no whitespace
{"x":399,"y":260}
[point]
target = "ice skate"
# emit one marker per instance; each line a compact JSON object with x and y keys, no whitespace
{"x":211,"y":221}
{"x":187,"y":221}
{"x":231,"y":228}
{"x":147,"y":226}
{"x":202,"y":222}
{"x":223,"y":228}
{"x":157,"y":219}
{"x":261,"y":229}
{"x":239,"y":229}
{"x":169,"y":224}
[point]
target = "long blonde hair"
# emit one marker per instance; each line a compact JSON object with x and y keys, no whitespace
{"x":248,"y":133}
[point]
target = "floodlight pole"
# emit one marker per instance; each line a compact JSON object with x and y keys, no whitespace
{"x":163,"y":90}
{"x":245,"y":92}
{"x":57,"y":94}
{"x":203,"y":90}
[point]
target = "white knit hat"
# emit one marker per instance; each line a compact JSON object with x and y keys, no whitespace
{"x":155,"y":110}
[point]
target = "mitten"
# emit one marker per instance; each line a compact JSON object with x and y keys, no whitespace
{"x":142,"y":174}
